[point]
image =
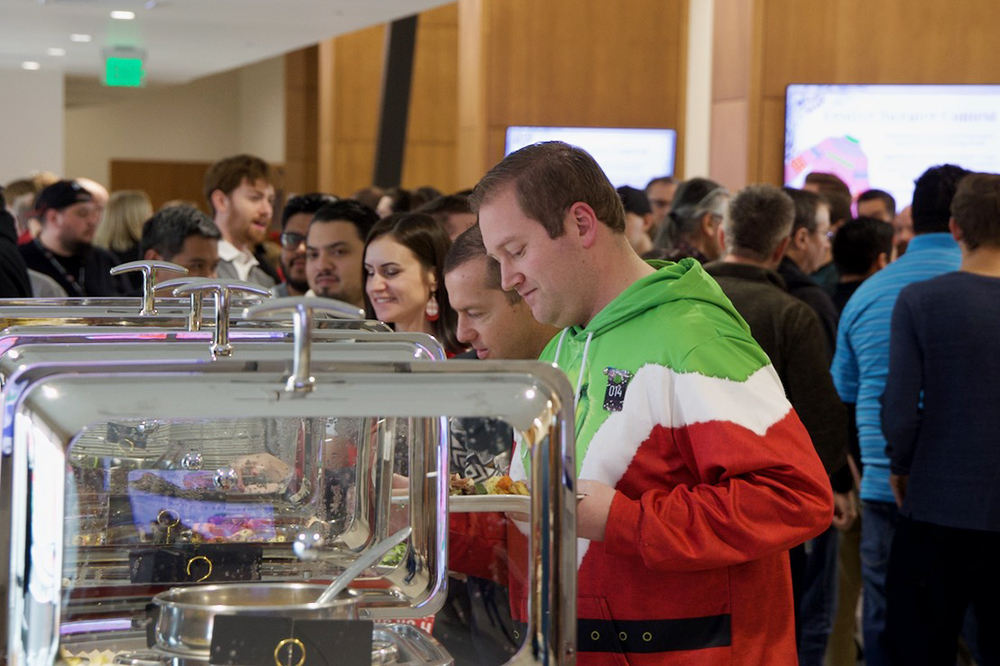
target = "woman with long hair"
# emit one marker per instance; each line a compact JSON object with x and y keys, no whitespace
{"x":121,"y":229}
{"x":404,"y":282}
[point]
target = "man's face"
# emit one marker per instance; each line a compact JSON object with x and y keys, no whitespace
{"x":199,"y":255}
{"x":539,"y":268}
{"x":486,"y":319}
{"x":248,"y":211}
{"x":902,"y":231}
{"x":818,"y":241}
{"x":635,"y":230}
{"x":456,"y":223}
{"x":874,"y":208}
{"x":334,"y":253}
{"x":660,"y":196}
{"x":293,"y":251}
{"x":75,"y":224}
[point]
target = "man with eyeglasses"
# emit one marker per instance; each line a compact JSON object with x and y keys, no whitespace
{"x":807,"y":249}
{"x":295,"y":219}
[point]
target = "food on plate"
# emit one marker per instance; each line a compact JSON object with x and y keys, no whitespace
{"x":504,"y":485}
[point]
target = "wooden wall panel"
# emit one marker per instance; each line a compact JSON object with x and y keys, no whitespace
{"x":432,"y":126}
{"x":350,"y":91}
{"x":162,"y":181}
{"x":302,"y":120}
{"x":858,"y":41}
{"x":575,"y":62}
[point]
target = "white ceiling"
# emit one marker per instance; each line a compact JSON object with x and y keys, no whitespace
{"x":183,"y":39}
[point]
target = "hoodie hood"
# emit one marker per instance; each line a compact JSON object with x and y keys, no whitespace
{"x":684,"y":280}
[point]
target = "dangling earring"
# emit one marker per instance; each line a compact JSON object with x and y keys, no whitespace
{"x":432,"y":312}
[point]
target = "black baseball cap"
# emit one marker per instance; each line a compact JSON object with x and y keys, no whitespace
{"x":635,"y":200}
{"x":59,"y":195}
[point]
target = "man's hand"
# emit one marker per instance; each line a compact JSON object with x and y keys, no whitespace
{"x":844,"y":511}
{"x":898,"y":483}
{"x":592,"y":510}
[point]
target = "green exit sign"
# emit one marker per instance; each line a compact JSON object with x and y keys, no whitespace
{"x":123,"y":72}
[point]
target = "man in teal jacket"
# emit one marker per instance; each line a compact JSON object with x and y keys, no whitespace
{"x":698,"y":475}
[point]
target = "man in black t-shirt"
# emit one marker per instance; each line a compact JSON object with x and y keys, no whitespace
{"x":63,"y":249}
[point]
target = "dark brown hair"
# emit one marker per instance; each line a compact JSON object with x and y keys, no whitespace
{"x":228,"y":174}
{"x":469,"y":246}
{"x":976,"y":209}
{"x":548,"y":178}
{"x":429,"y":242}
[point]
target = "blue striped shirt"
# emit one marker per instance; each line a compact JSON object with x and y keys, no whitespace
{"x":861,"y":362}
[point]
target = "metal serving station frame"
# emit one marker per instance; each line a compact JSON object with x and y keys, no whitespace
{"x":73,"y":373}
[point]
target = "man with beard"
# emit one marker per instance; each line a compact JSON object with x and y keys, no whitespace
{"x":335,"y":248}
{"x":295,"y":219}
{"x":63,"y":249}
{"x":240,"y":191}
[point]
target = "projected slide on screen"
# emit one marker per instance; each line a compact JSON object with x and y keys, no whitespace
{"x":629,"y":156}
{"x":885,"y":136}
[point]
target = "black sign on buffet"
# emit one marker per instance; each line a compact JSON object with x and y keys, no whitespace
{"x":190,"y":563}
{"x":266,"y":641}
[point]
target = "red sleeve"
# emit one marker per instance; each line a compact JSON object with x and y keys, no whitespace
{"x":757,"y":496}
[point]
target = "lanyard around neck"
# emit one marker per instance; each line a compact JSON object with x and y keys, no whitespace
{"x":76,"y":284}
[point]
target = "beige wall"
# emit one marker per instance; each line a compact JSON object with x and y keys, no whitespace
{"x":237,"y":111}
{"x":31,"y":123}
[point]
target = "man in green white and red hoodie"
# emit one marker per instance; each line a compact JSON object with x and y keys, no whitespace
{"x":698,"y":474}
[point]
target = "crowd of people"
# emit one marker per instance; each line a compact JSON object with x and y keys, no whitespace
{"x":747,"y":367}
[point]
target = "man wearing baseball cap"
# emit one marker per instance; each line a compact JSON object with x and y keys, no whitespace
{"x":63,"y":250}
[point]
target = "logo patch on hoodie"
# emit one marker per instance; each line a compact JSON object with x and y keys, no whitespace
{"x":614,"y":396}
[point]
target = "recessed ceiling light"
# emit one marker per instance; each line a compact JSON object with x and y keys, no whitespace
{"x":78,"y":37}
{"x":122,"y":15}
{"x":31,"y":64}
{"x":56,"y":52}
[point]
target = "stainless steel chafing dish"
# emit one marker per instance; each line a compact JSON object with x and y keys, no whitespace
{"x":62,"y":417}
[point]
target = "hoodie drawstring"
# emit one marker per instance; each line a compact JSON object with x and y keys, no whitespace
{"x":583,"y":368}
{"x":583,"y":363}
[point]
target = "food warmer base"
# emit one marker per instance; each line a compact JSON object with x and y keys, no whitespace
{"x":392,"y":645}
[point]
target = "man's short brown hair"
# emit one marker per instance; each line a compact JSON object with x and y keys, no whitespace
{"x":976,"y":209}
{"x":548,"y":178}
{"x":228,"y":174}
{"x":469,"y":246}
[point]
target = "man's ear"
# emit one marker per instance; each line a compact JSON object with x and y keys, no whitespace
{"x":956,"y":231}
{"x":881,"y":261}
{"x":647,"y":222}
{"x":50,"y":217}
{"x":152,"y":255}
{"x":799,"y":237}
{"x":583,"y":222}
{"x":220,"y":202}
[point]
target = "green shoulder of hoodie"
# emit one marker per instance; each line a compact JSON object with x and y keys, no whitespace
{"x":695,"y":327}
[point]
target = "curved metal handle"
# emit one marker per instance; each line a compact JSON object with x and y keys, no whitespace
{"x":222,"y":291}
{"x":195,"y":314}
{"x":149,"y":269}
{"x":200,"y":558}
{"x":303,"y":309}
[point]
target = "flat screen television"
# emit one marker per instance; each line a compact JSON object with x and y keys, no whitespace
{"x":885,"y":136}
{"x":629,"y":156}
